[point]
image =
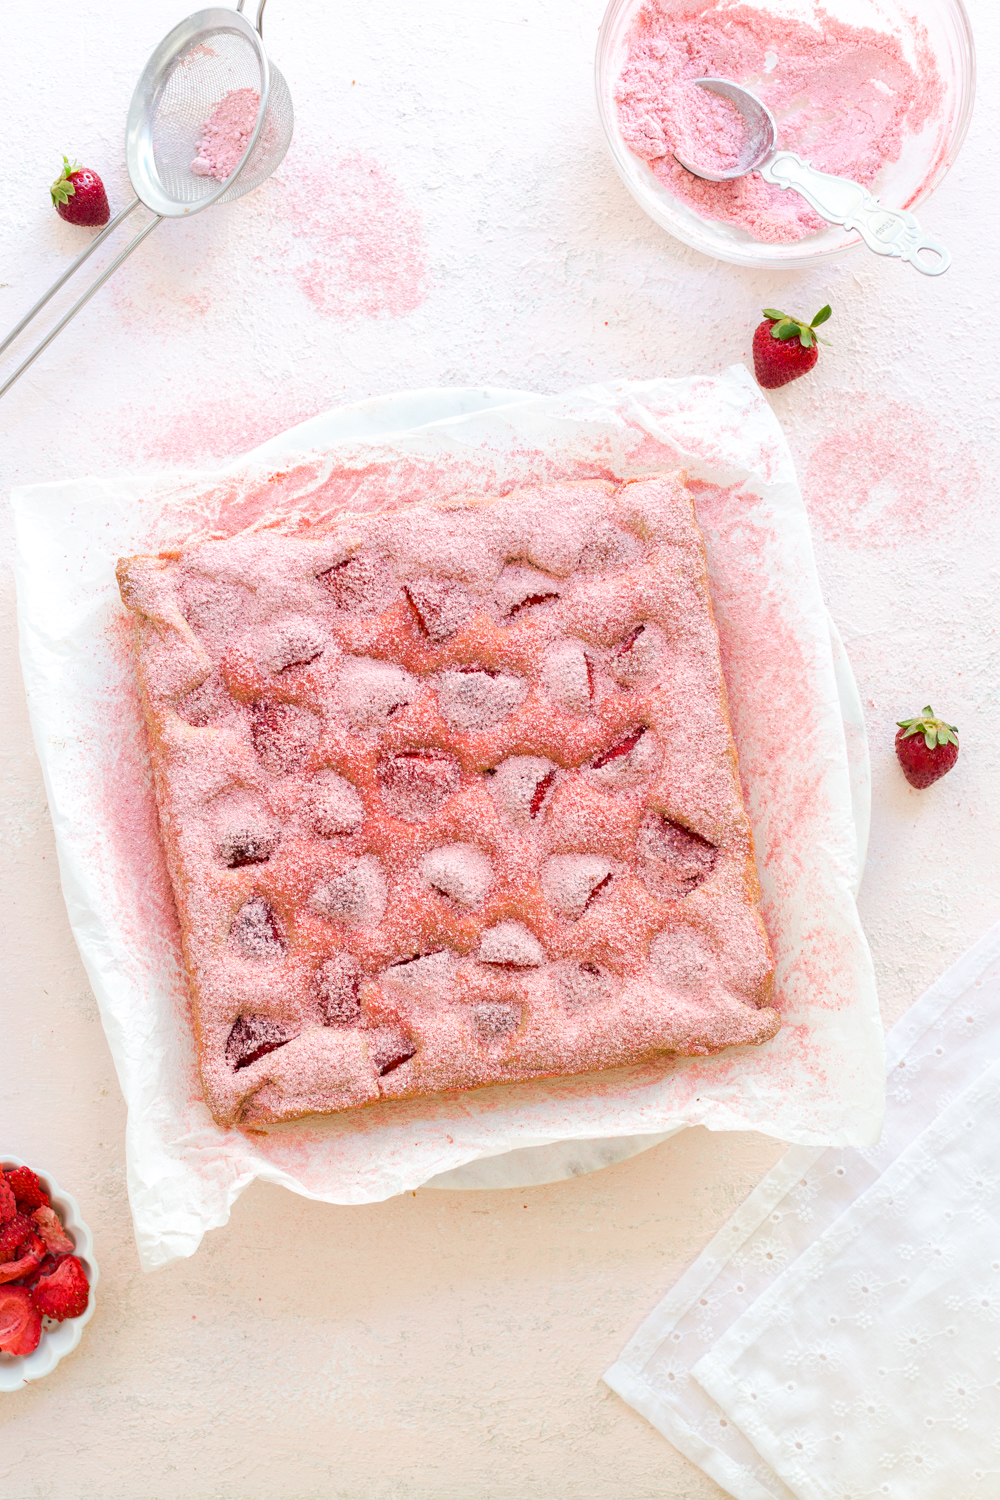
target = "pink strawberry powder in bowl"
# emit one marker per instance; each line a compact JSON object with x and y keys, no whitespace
{"x":861,"y":88}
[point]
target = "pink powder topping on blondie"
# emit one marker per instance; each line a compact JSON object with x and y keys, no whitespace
{"x":449,"y":798}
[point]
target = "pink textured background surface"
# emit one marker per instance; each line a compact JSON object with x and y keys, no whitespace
{"x":449,"y":1346}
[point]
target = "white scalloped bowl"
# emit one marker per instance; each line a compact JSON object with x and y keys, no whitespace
{"x":58,"y":1339}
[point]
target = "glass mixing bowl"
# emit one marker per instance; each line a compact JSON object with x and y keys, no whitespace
{"x":901,"y":184}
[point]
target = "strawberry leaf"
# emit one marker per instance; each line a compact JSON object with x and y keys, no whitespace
{"x":935,"y":731}
{"x":772,"y":312}
{"x":63,"y":187}
{"x":806,"y":338}
{"x":786,"y":330}
{"x":822,"y":315}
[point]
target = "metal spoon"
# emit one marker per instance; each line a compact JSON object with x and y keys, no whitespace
{"x":887,"y":231}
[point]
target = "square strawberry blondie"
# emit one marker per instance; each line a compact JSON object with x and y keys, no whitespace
{"x":449,"y":797}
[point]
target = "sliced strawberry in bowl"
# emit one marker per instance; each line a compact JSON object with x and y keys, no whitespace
{"x":27,"y":1189}
{"x":44,"y":1234}
{"x":20,"y":1321}
{"x":45,"y":1267}
{"x":13,"y":1235}
{"x":29,"y":1257}
{"x":49,"y":1227}
{"x":65,"y":1293}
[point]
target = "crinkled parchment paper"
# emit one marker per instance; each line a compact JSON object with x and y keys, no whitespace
{"x":819,"y":1082}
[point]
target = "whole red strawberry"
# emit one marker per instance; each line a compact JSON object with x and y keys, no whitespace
{"x":784,"y":348}
{"x":927,"y":747}
{"x":79,"y":196}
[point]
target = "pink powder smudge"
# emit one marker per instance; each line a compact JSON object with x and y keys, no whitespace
{"x":131,"y":866}
{"x":225,"y":134}
{"x":357,"y":244}
{"x":844,"y":96}
{"x":769,"y":677}
{"x":885,"y":472}
{"x":209,"y":431}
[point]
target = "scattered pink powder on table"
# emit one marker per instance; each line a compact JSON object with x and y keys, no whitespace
{"x":207,"y":431}
{"x":885,"y":472}
{"x":845,"y":97}
{"x":357,"y":247}
{"x":341,"y":227}
{"x":225,"y":134}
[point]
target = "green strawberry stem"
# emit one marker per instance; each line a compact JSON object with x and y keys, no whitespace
{"x":63,"y":188}
{"x":786,"y":327}
{"x":935,"y":731}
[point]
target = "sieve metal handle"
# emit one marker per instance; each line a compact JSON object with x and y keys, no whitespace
{"x":97,"y":240}
{"x":95,"y":286}
{"x":259,"y":23}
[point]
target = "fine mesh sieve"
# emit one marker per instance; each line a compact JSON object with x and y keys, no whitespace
{"x":210,"y":55}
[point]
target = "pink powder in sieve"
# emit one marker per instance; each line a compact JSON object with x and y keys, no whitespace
{"x":845,"y":97}
{"x":225,"y":134}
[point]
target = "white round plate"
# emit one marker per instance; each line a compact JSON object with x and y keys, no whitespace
{"x":532,"y":1166}
{"x":58,"y":1339}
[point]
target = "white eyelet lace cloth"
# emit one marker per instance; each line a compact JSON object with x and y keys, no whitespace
{"x":839,"y":1339}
